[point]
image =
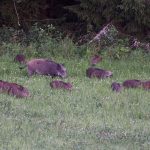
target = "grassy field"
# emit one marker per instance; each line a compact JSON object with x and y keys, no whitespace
{"x":90,"y":117}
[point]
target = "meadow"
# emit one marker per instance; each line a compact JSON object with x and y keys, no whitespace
{"x":90,"y":117}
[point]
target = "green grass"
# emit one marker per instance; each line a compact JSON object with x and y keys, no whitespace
{"x":90,"y":117}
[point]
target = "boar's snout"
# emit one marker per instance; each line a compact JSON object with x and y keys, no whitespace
{"x":62,"y":71}
{"x":117,"y":87}
{"x":108,"y":74}
{"x":25,"y":93}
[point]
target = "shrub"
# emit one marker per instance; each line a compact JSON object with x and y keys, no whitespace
{"x":132,"y":17}
{"x":43,"y":41}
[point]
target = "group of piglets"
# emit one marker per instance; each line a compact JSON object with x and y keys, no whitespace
{"x":118,"y":87}
{"x":50,"y":68}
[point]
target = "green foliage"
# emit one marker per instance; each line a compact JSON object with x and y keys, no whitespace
{"x":41,"y":41}
{"x":119,"y":49}
{"x":47,"y":41}
{"x":131,"y":17}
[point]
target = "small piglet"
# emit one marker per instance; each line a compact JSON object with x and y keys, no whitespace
{"x":98,"y":73}
{"x":20,"y":58}
{"x":57,"y":84}
{"x":117,"y":87}
{"x":14,"y":89}
{"x":132,"y":83}
{"x":95,"y":59}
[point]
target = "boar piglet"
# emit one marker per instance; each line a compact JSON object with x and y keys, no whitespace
{"x":117,"y":87}
{"x":98,"y":73}
{"x":95,"y":59}
{"x":146,"y":85}
{"x":20,"y":58}
{"x":57,"y":84}
{"x":18,"y":90}
{"x":14,"y":89}
{"x":46,"y":67}
{"x":132,"y":83}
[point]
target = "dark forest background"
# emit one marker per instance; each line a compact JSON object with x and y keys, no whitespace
{"x":80,"y":20}
{"x":131,"y":17}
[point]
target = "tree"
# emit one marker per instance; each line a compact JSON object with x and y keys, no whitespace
{"x":131,"y":17}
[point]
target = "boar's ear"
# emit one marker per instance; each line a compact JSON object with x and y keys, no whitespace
{"x":58,"y":66}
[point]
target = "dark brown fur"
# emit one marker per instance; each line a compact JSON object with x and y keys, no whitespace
{"x":132,"y":83}
{"x":20,"y":58}
{"x":46,"y":67}
{"x":57,"y":84}
{"x":13,"y":89}
{"x":117,"y":87}
{"x":98,"y":73}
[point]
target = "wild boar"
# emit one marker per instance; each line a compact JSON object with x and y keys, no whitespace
{"x":95,"y":59}
{"x":57,"y":84}
{"x":46,"y":67}
{"x":13,"y":89}
{"x":132,"y":83}
{"x":20,"y":58}
{"x":18,"y":90}
{"x":98,"y":73}
{"x":117,"y":87}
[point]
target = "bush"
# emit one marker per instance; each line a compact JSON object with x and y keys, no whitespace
{"x":117,"y":50}
{"x":43,"y":41}
{"x":132,"y":17}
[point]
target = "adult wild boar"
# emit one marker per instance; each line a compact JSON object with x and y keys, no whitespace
{"x":13,"y":89}
{"x":117,"y":87}
{"x":132,"y":83}
{"x":98,"y":73}
{"x":57,"y":84}
{"x":46,"y":67}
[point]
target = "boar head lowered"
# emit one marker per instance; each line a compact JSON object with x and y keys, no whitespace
{"x":99,"y":73}
{"x":46,"y":67}
{"x":117,"y":87}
